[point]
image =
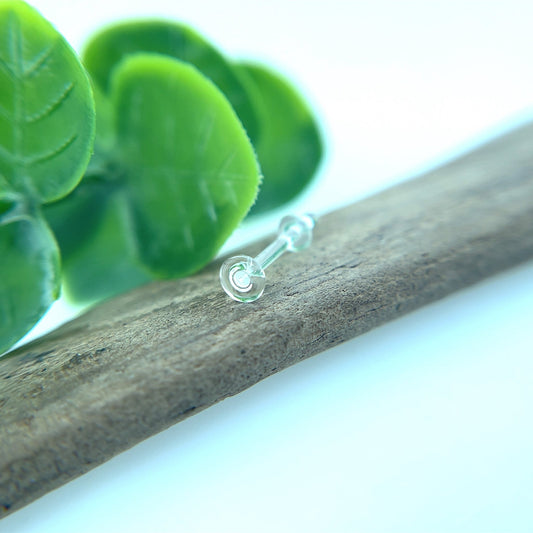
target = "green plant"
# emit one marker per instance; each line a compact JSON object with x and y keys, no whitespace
{"x":183,"y":136}
{"x":46,"y":136}
{"x":276,"y":120}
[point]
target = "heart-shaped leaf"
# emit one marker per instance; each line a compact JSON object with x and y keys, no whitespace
{"x":288,"y":145}
{"x":109,"y":47}
{"x":184,"y":175}
{"x":190,"y":171}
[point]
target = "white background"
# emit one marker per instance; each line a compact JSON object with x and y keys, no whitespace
{"x":423,"y":425}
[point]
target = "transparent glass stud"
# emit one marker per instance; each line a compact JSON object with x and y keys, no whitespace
{"x":243,"y":277}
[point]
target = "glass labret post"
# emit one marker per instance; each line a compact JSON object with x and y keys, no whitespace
{"x":243,"y":277}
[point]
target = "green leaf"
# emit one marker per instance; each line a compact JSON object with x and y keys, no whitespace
{"x":190,"y":171}
{"x":98,"y":254}
{"x":110,"y":46}
{"x":288,"y":146}
{"x":46,"y":136}
{"x":29,"y":271}
{"x":46,"y":110}
{"x":75,"y":218}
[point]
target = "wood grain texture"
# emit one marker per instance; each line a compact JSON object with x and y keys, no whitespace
{"x":143,"y":361}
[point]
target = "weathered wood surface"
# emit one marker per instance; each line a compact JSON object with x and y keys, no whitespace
{"x":143,"y":361}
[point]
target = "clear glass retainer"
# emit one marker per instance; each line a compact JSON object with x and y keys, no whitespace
{"x":243,"y":277}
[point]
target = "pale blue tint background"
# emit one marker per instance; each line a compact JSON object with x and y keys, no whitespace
{"x":423,"y":425}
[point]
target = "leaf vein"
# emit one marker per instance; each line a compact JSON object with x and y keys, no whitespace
{"x":14,"y":44}
{"x":233,"y":177}
{"x":226,"y":163}
{"x":6,"y":68}
{"x":208,"y":201}
{"x":15,"y":53}
{"x":50,"y":108}
{"x":232,"y":194}
{"x":38,"y":61}
{"x":206,"y":131}
{"x":54,"y":153}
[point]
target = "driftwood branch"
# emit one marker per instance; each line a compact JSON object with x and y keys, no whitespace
{"x":141,"y":362}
